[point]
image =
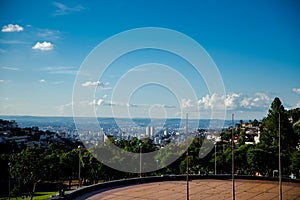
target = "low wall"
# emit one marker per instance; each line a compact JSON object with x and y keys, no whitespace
{"x":134,"y":181}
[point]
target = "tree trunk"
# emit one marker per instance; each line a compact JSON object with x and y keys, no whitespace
{"x":70,"y":182}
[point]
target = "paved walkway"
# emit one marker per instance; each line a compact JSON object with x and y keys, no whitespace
{"x":202,"y":189}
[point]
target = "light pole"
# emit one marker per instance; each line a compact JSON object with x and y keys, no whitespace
{"x":215,"y":143}
{"x":187,"y":158}
{"x":157,"y":161}
{"x":9,"y":168}
{"x":141,"y":145}
{"x":79,"y":166}
{"x":279,"y":159}
{"x":232,"y":158}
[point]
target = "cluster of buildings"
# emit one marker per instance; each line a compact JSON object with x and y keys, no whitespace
{"x":10,"y":133}
{"x":252,"y":133}
{"x":160,"y":135}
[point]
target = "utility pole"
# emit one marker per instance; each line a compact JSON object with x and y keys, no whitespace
{"x":9,"y":190}
{"x":79,"y":166}
{"x":279,"y":159}
{"x":232,"y":158}
{"x":141,"y":145}
{"x":215,"y":143}
{"x":187,"y":160}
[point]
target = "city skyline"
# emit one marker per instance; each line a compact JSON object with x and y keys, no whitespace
{"x":255,"y":46}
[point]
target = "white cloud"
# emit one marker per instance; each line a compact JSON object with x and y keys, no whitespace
{"x":296,"y":90}
{"x":47,"y":33}
{"x":44,"y":46}
{"x":215,"y":101}
{"x":298,"y":105}
{"x":2,"y":81}
{"x":99,"y":84}
{"x":65,"y":109}
{"x":234,"y":101}
{"x":42,"y":81}
{"x":92,"y":83}
{"x":100,"y":102}
{"x":187,"y":103}
{"x":132,"y":105}
{"x":169,"y":106}
{"x":259,"y":101}
{"x":231,"y":101}
{"x":12,"y":28}
{"x":11,"y":68}
{"x":63,"y":9}
{"x":60,"y":70}
{"x":2,"y":41}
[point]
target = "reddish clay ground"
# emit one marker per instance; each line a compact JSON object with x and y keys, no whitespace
{"x":202,"y":189}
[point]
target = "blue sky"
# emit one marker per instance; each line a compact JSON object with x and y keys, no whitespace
{"x":254,"y":44}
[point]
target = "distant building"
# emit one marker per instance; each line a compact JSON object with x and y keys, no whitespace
{"x":18,"y":139}
{"x":150,"y":131}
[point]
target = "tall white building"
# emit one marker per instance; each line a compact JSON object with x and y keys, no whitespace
{"x":150,"y":131}
{"x":147,"y":131}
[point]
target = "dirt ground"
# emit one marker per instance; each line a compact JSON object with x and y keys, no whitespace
{"x":203,"y":189}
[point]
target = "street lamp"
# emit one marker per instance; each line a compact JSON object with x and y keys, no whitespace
{"x":141,"y":145}
{"x":232,"y":158}
{"x":215,"y":143}
{"x":79,"y":166}
{"x":9,"y":166}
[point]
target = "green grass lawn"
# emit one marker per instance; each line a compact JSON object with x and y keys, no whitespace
{"x":43,"y":195}
{"x":37,"y":196}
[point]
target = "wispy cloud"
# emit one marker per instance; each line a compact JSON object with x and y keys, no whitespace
{"x":37,"y":33}
{"x":44,"y":81}
{"x":169,"y":106}
{"x":43,"y":46}
{"x":2,"y":41}
{"x":12,"y":28}
{"x":61,"y":70}
{"x":132,"y":105}
{"x":65,"y":109}
{"x":63,"y":9}
{"x":2,"y":81}
{"x":102,"y":102}
{"x":100,"y":85}
{"x":48,"y":33}
{"x":11,"y":68}
{"x":296,"y":90}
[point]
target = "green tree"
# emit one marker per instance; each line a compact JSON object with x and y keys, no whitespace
{"x":260,"y":160}
{"x":295,"y":166}
{"x":91,"y":167}
{"x":68,"y":163}
{"x":240,"y":155}
{"x":255,"y":122}
{"x":269,"y":134}
{"x":29,"y":167}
